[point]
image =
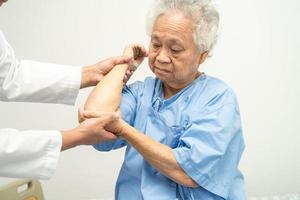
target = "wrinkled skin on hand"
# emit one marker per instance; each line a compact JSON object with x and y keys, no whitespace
{"x":137,"y":52}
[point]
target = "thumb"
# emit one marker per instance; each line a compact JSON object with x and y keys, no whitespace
{"x":109,"y":135}
{"x":107,"y":119}
{"x":121,"y":60}
{"x":94,"y":114}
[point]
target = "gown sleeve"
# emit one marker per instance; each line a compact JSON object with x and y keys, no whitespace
{"x":210,"y":148}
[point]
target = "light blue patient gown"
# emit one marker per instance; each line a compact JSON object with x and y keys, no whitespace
{"x":202,"y":125}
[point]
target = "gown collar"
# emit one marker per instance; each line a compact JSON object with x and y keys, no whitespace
{"x":158,"y":96}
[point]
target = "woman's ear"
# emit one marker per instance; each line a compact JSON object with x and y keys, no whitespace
{"x":203,"y":57}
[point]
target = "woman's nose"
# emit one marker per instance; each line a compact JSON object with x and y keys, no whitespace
{"x":163,"y":57}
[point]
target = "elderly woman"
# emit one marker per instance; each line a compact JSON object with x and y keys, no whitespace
{"x":181,"y":129}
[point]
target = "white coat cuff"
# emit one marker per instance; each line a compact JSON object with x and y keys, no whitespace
{"x":52,"y":154}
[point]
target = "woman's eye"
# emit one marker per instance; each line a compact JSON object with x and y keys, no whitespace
{"x":176,"y":50}
{"x":156,"y":45}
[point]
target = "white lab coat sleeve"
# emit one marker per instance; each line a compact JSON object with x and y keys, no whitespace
{"x":31,"y":81}
{"x":29,"y":154}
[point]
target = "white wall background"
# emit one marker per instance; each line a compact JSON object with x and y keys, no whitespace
{"x":257,"y":54}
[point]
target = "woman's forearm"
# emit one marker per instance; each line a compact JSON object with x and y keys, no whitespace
{"x":106,"y":96}
{"x":158,"y":155}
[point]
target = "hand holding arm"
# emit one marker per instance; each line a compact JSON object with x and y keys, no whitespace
{"x":106,"y":96}
{"x":91,"y":75}
{"x":89,"y":132}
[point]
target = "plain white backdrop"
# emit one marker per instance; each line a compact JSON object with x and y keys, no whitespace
{"x":257,"y":54}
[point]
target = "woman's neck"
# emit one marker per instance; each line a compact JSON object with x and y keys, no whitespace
{"x":170,"y":90}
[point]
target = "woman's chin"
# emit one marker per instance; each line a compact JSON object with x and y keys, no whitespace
{"x":160,"y":76}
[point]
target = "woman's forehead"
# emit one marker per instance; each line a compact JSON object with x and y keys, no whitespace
{"x":171,"y":38}
{"x":175,"y":27}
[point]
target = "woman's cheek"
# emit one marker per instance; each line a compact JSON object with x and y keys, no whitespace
{"x":151,"y":60}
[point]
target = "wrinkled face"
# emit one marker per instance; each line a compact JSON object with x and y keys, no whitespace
{"x":2,"y":1}
{"x":173,"y":56}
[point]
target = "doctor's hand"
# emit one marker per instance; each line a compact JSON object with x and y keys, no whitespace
{"x":90,"y":131}
{"x":2,"y":1}
{"x":92,"y":74}
{"x":87,"y":114}
{"x":114,"y":127}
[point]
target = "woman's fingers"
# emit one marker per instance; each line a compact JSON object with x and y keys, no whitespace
{"x":127,"y":76}
{"x":139,"y":51}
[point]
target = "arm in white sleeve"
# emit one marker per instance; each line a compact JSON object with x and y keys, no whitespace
{"x":31,"y":81}
{"x":29,"y":154}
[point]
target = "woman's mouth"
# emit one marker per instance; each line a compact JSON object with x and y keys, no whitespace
{"x":161,"y":70}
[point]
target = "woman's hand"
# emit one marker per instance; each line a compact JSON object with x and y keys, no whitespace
{"x":137,"y":53}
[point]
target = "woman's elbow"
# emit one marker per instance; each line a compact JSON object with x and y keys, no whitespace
{"x":190,"y":183}
{"x":187,"y":181}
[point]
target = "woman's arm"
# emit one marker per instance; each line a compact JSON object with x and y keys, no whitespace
{"x":106,"y":96}
{"x":160,"y":156}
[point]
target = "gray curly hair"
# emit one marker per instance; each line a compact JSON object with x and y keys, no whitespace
{"x":202,"y":12}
